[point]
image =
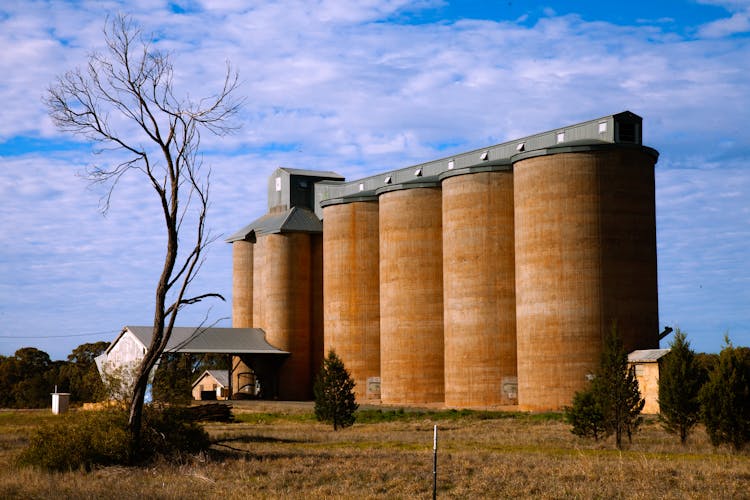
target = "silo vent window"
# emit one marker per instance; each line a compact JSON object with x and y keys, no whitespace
{"x":451,"y":163}
{"x":418,"y":172}
{"x":485,"y":155}
{"x":361,"y":186}
{"x":388,"y":179}
{"x":521,"y":147}
{"x":560,"y":137}
{"x":603,"y":127}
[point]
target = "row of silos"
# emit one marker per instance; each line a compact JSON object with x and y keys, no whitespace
{"x":493,"y":280}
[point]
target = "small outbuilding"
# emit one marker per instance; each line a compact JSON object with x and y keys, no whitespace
{"x":212,"y":384}
{"x":647,"y":366}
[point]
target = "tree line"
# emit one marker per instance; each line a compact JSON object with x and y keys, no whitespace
{"x":693,"y":388}
{"x":29,"y":376}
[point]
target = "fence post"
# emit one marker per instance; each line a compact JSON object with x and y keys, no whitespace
{"x":434,"y":463}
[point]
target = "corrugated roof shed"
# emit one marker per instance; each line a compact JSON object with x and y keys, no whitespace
{"x":211,"y":340}
{"x":221,"y":376}
{"x":646,"y":355}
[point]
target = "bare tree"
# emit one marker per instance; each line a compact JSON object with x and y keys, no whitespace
{"x":125,"y":101}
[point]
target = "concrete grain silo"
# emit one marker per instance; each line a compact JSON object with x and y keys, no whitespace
{"x":466,"y":280}
{"x":352,"y":290}
{"x":283,"y":289}
{"x":585,"y":250}
{"x":411,"y":294}
{"x":316,"y":304}
{"x":242,"y":300}
{"x":284,"y":312}
{"x":479,"y":287}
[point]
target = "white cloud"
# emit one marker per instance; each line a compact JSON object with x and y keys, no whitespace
{"x":330,"y":85}
{"x":739,"y":22}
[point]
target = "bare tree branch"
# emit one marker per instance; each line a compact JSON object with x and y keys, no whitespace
{"x":124,"y":100}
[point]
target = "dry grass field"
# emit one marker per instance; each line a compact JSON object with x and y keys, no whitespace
{"x":286,"y":454}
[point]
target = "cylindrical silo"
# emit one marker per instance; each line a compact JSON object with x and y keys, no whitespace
{"x":352,"y":290}
{"x":585,"y":251}
{"x":282,"y":306}
{"x":316,"y":304}
{"x":242,"y":301}
{"x":479,"y":287}
{"x":411,"y":295}
{"x":242,"y":284}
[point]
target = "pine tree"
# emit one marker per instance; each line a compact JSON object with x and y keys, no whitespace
{"x":680,"y":381}
{"x":612,"y":404}
{"x":725,"y":398}
{"x":334,"y":393}
{"x":616,"y":388}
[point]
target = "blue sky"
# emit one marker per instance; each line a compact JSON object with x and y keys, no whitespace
{"x":360,"y":87}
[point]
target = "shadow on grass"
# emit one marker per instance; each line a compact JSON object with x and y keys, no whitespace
{"x":259,"y":439}
{"x":222,"y":452}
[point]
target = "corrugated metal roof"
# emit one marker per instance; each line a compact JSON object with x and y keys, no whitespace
{"x":296,"y":219}
{"x":221,"y":376}
{"x":646,"y":355}
{"x":213,"y":340}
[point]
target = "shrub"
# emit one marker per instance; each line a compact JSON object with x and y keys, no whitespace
{"x":334,"y":396}
{"x":79,"y":441}
{"x":82,"y":440}
{"x":169,"y":432}
{"x":586,"y":415}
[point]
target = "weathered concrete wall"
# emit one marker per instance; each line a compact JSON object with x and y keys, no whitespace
{"x":242,"y":284}
{"x":629,"y":263}
{"x":647,"y":375}
{"x":581,"y":220}
{"x":282,"y":306}
{"x":316,"y":305}
{"x":352,"y":289}
{"x":242,"y":298}
{"x":411,"y":296}
{"x":479,"y":290}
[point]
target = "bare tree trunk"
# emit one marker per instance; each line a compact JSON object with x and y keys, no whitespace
{"x":134,"y":81}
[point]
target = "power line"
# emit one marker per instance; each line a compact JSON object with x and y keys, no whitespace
{"x":90,"y":334}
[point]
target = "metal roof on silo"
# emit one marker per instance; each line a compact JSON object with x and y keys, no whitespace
{"x":296,"y":219}
{"x":621,"y":129}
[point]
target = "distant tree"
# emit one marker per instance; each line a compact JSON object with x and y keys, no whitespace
{"x":612,"y":403}
{"x":725,"y":398}
{"x":125,"y":100}
{"x":334,"y":393}
{"x":33,"y":386}
{"x":680,"y":381}
{"x":8,"y":379}
{"x":706,"y":361}
{"x":173,"y":379}
{"x":80,"y":375}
